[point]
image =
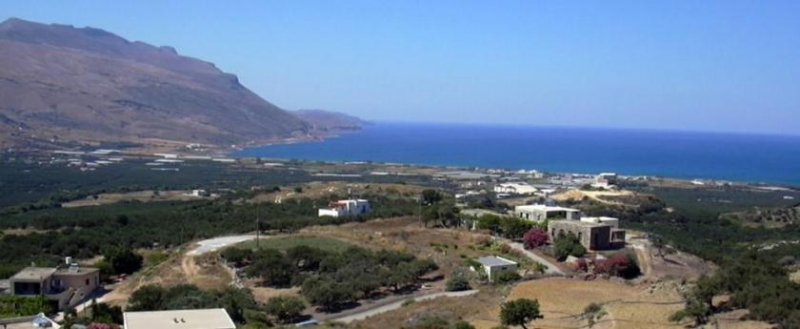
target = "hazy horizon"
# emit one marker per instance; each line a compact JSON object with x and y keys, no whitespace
{"x":728,"y":66}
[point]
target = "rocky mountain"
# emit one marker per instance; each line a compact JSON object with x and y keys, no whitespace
{"x":61,"y":84}
{"x":323,"y":120}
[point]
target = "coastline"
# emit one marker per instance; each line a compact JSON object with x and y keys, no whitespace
{"x":370,"y":145}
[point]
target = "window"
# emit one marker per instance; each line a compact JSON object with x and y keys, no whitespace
{"x":87,"y":281}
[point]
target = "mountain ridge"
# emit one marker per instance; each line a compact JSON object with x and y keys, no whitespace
{"x":62,"y":85}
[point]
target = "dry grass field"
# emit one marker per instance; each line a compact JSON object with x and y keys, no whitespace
{"x":204,"y":271}
{"x":447,"y":247}
{"x":141,"y":196}
{"x":322,"y":189}
{"x":626,"y":306}
{"x":473,"y":309}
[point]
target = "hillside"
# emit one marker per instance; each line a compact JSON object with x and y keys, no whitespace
{"x":776,"y":217}
{"x":60,"y":85}
{"x":330,"y":121}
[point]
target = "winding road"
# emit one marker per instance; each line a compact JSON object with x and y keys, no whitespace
{"x":214,"y":244}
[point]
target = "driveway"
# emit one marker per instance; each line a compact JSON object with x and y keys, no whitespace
{"x":214,"y":244}
{"x":551,"y":268}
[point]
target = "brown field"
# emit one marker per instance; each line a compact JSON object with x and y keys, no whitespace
{"x":323,"y":189}
{"x":563,"y":300}
{"x":447,"y":247}
{"x":473,"y":309}
{"x":263,"y":294}
{"x":141,"y":196}
{"x":604,"y":197}
{"x":204,"y":271}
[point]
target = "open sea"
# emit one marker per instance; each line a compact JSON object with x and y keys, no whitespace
{"x":689,"y":155}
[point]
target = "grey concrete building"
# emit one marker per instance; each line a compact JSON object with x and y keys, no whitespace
{"x":593,"y":236}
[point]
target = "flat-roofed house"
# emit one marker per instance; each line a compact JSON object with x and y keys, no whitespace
{"x":540,"y":212}
{"x":592,"y":235}
{"x":344,"y":208}
{"x":66,"y":286}
{"x":216,"y":318}
{"x":494,"y":265}
{"x":613,"y":222}
{"x":515,"y":188}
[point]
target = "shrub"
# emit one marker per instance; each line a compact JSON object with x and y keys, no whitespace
{"x":462,"y":325}
{"x":284,"y":308}
{"x":582,"y":265}
{"x":506,"y":277}
{"x":457,"y":283}
{"x":534,"y":238}
{"x":124,"y":261}
{"x":619,"y":264}
{"x":568,"y":245}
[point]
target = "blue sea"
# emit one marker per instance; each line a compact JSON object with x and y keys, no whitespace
{"x":689,"y":155}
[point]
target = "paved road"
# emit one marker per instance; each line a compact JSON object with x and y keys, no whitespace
{"x":551,"y":268}
{"x":398,"y":304}
{"x":214,"y":244}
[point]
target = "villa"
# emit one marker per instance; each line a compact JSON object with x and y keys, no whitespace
{"x":540,"y":212}
{"x":64,"y":286}
{"x":345,"y":208}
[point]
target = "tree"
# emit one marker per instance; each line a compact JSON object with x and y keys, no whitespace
{"x":568,"y":245}
{"x":457,"y":283}
{"x":519,"y":312}
{"x":284,"y":308}
{"x":699,"y":305}
{"x":147,"y":298}
{"x":305,"y":258}
{"x":124,"y":261}
{"x":514,"y":228}
{"x":105,"y":313}
{"x":430,"y":196}
{"x":326,"y":293}
{"x":273,"y":268}
{"x":534,"y":238}
{"x":236,"y":256}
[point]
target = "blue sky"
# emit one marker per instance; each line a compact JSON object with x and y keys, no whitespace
{"x":688,"y":65}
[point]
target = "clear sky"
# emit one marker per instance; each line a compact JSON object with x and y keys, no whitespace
{"x":679,"y":64}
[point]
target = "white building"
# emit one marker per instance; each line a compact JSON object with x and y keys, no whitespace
{"x":605,"y":180}
{"x":540,"y":212}
{"x":494,"y":265}
{"x":515,"y":188}
{"x":343,"y":208}
{"x":216,"y":318}
{"x":199,"y":193}
{"x":610,"y":221}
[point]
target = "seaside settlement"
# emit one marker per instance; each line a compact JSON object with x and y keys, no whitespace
{"x":352,"y":244}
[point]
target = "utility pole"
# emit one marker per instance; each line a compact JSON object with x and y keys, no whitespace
{"x":419,"y":210}
{"x":258,"y":224}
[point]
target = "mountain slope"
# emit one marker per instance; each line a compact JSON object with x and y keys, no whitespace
{"x":62,"y":84}
{"x":329,"y":120}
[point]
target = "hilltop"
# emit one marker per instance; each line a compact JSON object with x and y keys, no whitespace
{"x":62,"y":85}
